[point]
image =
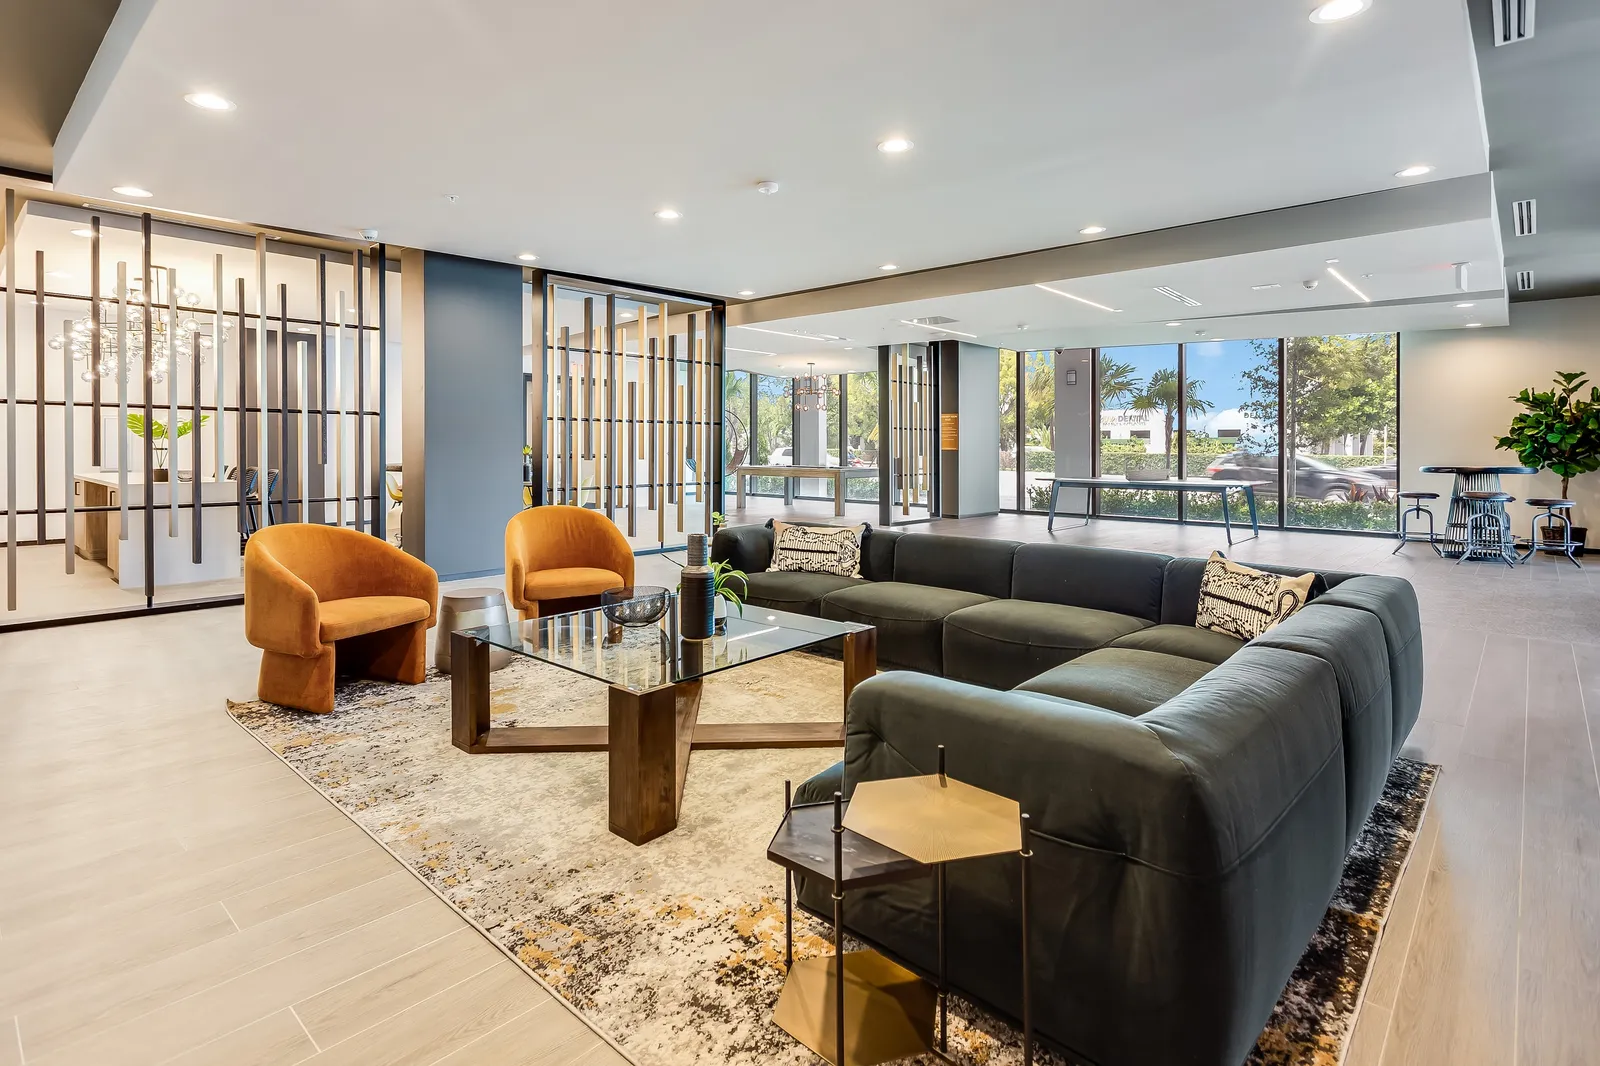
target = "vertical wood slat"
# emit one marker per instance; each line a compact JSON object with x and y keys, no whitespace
{"x":11,"y":399}
{"x":588,"y":385}
{"x":657,"y":429}
{"x":359,"y":379}
{"x":262,"y":497}
{"x":147,"y":387}
{"x":219,"y":353}
{"x":652,"y":440}
{"x":242,"y":467}
{"x":174,"y":358}
{"x":709,"y":460}
{"x":339,"y":415}
{"x":96,"y":444}
{"x":284,"y":470}
{"x":69,"y":387}
{"x":570,"y":428}
{"x":606,"y":460}
{"x":380,"y":435}
{"x":39,"y":395}
{"x":633,"y":457}
{"x":689,"y":414}
{"x":302,"y":430}
{"x":552,"y":408}
{"x":322,"y":372}
{"x":198,"y":463}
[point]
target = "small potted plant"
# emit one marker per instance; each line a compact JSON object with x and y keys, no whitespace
{"x":718,"y":520}
{"x":1558,"y":430}
{"x":728,"y":585}
{"x":159,"y":436}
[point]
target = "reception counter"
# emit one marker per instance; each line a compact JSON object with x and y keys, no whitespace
{"x":97,"y":534}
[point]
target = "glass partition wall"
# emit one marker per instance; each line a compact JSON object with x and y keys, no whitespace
{"x":174,"y":388}
{"x":626,"y":410}
{"x":1310,"y":420}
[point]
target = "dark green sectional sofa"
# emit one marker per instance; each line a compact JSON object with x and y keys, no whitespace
{"x":1193,"y":797}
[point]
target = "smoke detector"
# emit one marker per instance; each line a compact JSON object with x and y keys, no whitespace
{"x":766,"y":188}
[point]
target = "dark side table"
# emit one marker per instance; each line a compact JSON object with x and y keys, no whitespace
{"x":894,"y":830}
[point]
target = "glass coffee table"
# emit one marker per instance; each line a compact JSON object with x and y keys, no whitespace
{"x":654,"y":704}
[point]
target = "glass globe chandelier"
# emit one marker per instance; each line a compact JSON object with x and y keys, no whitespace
{"x":812,"y":389}
{"x":178,"y":321}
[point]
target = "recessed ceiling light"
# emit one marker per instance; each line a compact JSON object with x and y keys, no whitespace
{"x":1466,"y":305}
{"x":1330,"y":262}
{"x":1069,"y":296}
{"x":895,"y":145}
{"x":848,"y":348}
{"x":1338,"y":10}
{"x":1415,"y":171}
{"x":1263,"y":288}
{"x":133,"y":191}
{"x":209,"y":101}
{"x":83,"y":233}
{"x":668,"y":214}
{"x":626,"y":315}
{"x":747,"y":292}
{"x":888,"y":266}
{"x":302,"y":329}
{"x":1474,"y":325}
{"x":1347,"y":284}
{"x":937,"y":329}
{"x":1090,"y":231}
{"x":1174,"y":323}
{"x":527,"y":257}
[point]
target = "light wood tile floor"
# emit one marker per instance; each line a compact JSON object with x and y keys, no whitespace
{"x":173,"y":894}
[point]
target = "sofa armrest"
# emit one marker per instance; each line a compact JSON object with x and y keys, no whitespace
{"x":281,"y":613}
{"x":748,"y":548}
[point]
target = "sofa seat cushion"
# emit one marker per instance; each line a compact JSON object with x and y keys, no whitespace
{"x":1129,"y":681}
{"x":1206,"y":645}
{"x":357,"y":616}
{"x":909,"y":619}
{"x":1003,"y":643}
{"x":793,"y":591}
{"x":570,"y":581}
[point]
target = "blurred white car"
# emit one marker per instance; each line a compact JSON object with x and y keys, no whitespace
{"x":785,"y":457}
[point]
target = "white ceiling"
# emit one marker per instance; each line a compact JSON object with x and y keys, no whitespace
{"x":1412,"y":286}
{"x":562,"y":128}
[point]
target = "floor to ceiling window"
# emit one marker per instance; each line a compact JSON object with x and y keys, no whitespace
{"x":1008,"y":430}
{"x":861,"y":433}
{"x":1232,"y":423}
{"x":772,"y":442}
{"x":1038,"y":414}
{"x":737,"y":423}
{"x":1139,"y":412}
{"x":1341,"y":426}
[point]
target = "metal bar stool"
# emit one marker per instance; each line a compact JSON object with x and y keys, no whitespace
{"x":1488,"y":527}
{"x":1554,"y":511}
{"x":1417,"y":509}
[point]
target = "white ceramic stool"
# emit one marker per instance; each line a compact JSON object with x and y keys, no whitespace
{"x":468,"y":609}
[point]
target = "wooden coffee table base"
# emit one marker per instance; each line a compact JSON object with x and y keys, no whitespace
{"x":649,"y":735}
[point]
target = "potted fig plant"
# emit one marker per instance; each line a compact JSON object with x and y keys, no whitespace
{"x":159,"y":437}
{"x":1558,"y":430}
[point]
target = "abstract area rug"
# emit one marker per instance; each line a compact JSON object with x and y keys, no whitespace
{"x":675,"y":950}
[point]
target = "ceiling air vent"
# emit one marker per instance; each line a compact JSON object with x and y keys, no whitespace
{"x":1525,"y":217}
{"x":1173,"y":294}
{"x":933,"y":320}
{"x":1513,"y":21}
{"x":1524,"y":281}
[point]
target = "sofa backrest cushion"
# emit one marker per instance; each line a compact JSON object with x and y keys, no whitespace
{"x":969,"y":564}
{"x":877,"y":553}
{"x":1180,"y":586}
{"x":748,"y":548}
{"x":1100,"y":579}
{"x":1393,"y":601}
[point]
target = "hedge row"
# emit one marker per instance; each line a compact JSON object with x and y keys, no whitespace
{"x":1312,"y":514}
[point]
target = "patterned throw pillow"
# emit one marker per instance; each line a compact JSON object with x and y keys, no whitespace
{"x":817,"y":549}
{"x":1244,"y":603}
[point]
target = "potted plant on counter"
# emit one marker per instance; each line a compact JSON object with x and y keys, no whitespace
{"x":1558,"y":430}
{"x":728,"y":585}
{"x":159,"y":437}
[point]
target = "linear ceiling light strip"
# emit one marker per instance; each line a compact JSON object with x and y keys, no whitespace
{"x":1347,"y":284}
{"x":1080,"y":299}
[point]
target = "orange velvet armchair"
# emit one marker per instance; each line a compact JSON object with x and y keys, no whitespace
{"x":558,"y":557}
{"x":314,"y":594}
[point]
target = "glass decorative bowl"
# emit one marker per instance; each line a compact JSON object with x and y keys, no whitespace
{"x":635,"y":605}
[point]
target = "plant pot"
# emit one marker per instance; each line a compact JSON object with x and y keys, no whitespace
{"x":1550,"y":538}
{"x":1146,"y":473}
{"x":159,"y":475}
{"x":719,"y":615}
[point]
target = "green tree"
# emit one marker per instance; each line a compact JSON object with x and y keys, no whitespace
{"x":1008,"y":410}
{"x":862,"y":432}
{"x":1041,"y":398}
{"x":1160,"y":393}
{"x":736,"y":417}
{"x":1118,"y":381}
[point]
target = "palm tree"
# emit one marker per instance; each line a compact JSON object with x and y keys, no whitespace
{"x":1118,"y":381}
{"x":1160,"y":393}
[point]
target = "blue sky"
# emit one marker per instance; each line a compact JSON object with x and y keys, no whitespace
{"x":1219,"y":364}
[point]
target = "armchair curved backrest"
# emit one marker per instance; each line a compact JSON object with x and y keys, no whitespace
{"x":290,"y":568}
{"x":558,"y":536}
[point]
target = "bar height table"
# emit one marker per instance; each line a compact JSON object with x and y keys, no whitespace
{"x":1453,"y":541}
